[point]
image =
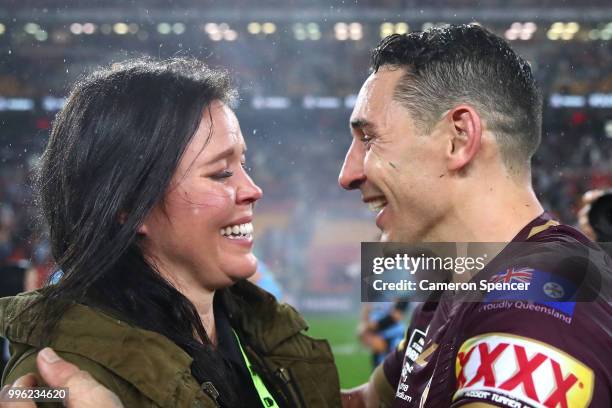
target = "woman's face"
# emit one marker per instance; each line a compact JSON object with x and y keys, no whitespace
{"x":202,"y":234}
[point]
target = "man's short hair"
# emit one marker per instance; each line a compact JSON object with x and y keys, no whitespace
{"x":467,"y":64}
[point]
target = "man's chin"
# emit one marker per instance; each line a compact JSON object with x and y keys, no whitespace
{"x":395,"y":236}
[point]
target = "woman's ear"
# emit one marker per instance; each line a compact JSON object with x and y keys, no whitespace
{"x":142,"y":229}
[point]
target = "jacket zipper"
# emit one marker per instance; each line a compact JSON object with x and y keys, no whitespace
{"x":211,"y":391}
{"x":264,"y":370}
{"x":285,"y":375}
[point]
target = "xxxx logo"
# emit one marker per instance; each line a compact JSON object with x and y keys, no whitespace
{"x":511,"y":370}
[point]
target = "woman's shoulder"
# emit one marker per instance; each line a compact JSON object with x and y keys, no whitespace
{"x":23,"y":361}
{"x":126,"y":359}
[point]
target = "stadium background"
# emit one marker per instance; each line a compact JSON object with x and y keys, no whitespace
{"x":298,"y":66}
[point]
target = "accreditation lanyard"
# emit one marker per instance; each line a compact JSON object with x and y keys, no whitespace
{"x":264,"y":395}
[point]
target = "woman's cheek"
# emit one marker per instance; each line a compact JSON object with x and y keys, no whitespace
{"x":217,"y":197}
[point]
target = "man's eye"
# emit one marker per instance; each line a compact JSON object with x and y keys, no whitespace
{"x":366,"y":140}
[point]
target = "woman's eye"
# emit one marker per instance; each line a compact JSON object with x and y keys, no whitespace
{"x":245,"y":167}
{"x":222,"y":175}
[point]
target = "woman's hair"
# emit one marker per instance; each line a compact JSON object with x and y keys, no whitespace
{"x":110,"y":159}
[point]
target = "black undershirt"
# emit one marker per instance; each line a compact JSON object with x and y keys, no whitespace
{"x":228,"y":347}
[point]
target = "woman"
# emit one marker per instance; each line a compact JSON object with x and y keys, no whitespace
{"x":144,"y":190}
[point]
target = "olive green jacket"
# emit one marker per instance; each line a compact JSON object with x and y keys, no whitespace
{"x":146,"y":369}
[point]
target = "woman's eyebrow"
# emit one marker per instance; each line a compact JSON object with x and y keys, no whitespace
{"x":221,"y":155}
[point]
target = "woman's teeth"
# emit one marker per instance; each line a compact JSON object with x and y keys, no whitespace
{"x":237,"y":231}
{"x":377,"y":205}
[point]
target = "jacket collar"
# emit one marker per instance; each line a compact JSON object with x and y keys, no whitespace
{"x":260,"y":318}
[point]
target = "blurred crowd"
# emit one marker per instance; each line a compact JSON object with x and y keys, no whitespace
{"x":295,"y":153}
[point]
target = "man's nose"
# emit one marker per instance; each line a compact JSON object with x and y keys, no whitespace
{"x":351,"y":174}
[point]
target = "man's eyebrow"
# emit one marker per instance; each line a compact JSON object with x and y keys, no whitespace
{"x":362,"y":124}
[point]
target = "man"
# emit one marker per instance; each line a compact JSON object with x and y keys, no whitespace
{"x":443,"y":134}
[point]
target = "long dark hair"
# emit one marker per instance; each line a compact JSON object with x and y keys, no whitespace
{"x":110,"y":158}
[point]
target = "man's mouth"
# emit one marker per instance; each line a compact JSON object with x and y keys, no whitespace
{"x":377,"y":204}
{"x":237,"y":231}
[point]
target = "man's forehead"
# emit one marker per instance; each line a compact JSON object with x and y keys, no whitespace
{"x":375,"y":96}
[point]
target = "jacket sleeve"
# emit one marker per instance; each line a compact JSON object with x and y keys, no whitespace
{"x":23,"y":361}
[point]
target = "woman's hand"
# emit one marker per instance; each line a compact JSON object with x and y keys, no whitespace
{"x":83,"y":390}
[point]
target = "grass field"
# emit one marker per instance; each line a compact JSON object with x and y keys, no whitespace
{"x":353,"y":360}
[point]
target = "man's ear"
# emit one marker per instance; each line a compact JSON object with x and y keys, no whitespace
{"x":465,"y":128}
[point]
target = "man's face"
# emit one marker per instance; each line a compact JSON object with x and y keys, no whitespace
{"x":399,"y":171}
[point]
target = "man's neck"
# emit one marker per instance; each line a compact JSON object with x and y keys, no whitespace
{"x":491,"y":213}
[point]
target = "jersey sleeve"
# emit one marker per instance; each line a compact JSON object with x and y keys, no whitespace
{"x":526,"y":354}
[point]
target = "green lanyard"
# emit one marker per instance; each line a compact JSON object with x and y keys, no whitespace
{"x":264,"y":395}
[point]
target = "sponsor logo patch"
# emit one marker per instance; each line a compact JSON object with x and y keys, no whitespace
{"x":513,"y":370}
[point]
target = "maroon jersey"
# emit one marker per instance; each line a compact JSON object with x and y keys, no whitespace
{"x":509,"y":353}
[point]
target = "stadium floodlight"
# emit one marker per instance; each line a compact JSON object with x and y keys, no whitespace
{"x":386,"y":29}
{"x":312,"y":29}
{"x":164,"y":28}
{"x":341,"y":31}
{"x":572,"y":27}
{"x":31,"y":28}
{"x":230,"y":35}
{"x":299,"y":31}
{"x":89,"y":28}
{"x":178,"y":28}
{"x":511,"y":34}
{"x":41,"y":35}
{"x":563,"y":31}
{"x":254,"y":28}
{"x":211,"y":28}
{"x":120,"y":28}
{"x":309,"y":31}
{"x":2,"y":28}
{"x":133,"y":28}
{"x":530,"y":26}
{"x":269,"y":28}
{"x":594,"y":34}
{"x":76,"y":28}
{"x":401,"y":28}
{"x":356,"y":31}
{"x":523,"y":31}
{"x":217,"y":36}
{"x":608,"y":129}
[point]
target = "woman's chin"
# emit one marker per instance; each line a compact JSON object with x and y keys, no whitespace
{"x":241,"y":269}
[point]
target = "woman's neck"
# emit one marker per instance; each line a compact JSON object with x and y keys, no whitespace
{"x":201,"y":297}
